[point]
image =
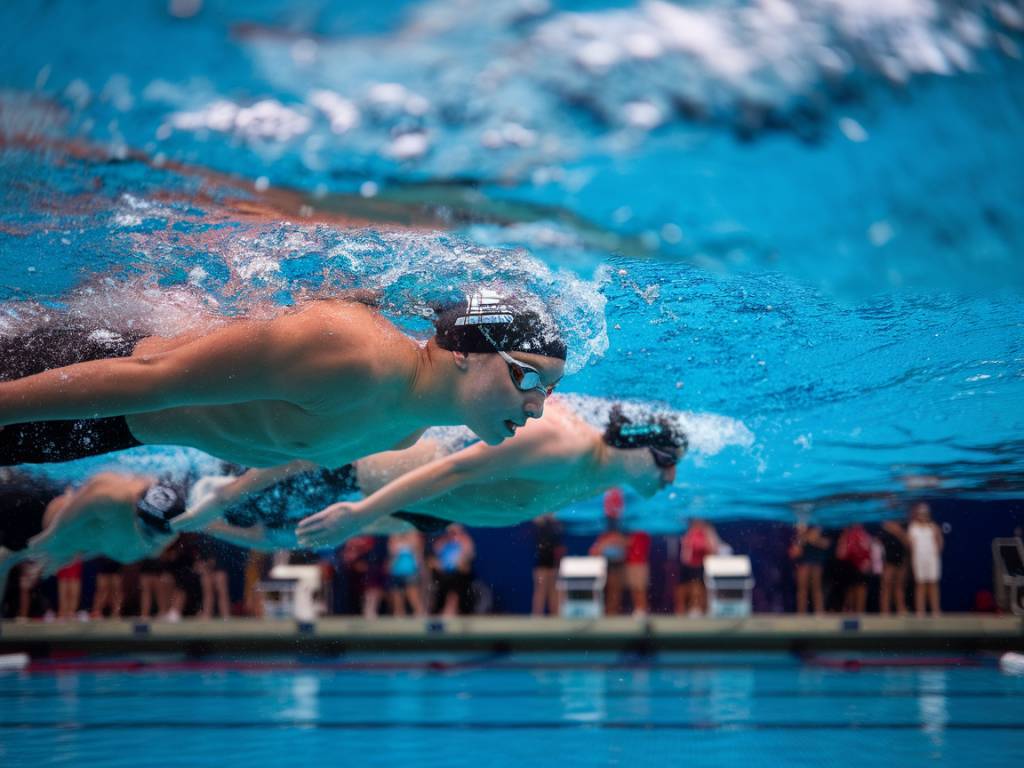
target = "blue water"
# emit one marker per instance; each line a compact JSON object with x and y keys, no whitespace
{"x":580,"y":710}
{"x":797,"y":223}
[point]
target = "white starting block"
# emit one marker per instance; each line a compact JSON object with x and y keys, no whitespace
{"x":580,"y":585}
{"x":293,"y":591}
{"x":730,"y":583}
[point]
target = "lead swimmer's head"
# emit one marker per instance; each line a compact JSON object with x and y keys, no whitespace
{"x":510,"y":357}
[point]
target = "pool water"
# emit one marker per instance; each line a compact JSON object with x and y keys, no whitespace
{"x":801,"y":225}
{"x":590,"y":709}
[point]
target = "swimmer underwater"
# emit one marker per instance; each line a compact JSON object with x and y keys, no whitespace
{"x":329,"y":382}
{"x":114,"y":515}
{"x":552,"y":462}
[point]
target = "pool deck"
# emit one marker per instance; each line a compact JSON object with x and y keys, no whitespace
{"x":952,"y":633}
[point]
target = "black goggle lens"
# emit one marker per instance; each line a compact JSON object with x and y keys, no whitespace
{"x":663,"y":458}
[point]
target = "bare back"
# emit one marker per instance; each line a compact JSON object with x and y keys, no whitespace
{"x":344,"y":393}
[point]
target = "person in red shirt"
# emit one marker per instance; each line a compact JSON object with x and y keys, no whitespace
{"x":638,"y":571}
{"x":69,"y":590}
{"x":854,"y":554}
{"x":699,"y":541}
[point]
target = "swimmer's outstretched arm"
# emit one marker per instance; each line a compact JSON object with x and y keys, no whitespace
{"x":478,"y":463}
{"x":281,"y":359}
{"x":257,"y":537}
{"x":246,"y":485}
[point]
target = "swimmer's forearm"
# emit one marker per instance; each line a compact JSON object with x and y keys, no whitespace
{"x":242,"y":488}
{"x":93,"y":389}
{"x":419,"y":485}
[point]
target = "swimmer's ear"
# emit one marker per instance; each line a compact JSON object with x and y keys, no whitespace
{"x":461,"y":360}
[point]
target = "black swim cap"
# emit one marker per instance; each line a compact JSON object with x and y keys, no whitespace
{"x":653,"y":430}
{"x":486,"y":321}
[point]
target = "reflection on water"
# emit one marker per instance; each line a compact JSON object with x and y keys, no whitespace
{"x":303,"y":704}
{"x":934,"y":707}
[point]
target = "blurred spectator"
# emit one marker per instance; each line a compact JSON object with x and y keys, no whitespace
{"x":809,"y":552}
{"x":892,"y":594}
{"x":405,"y":559}
{"x":699,"y":541}
{"x":257,"y":568}
{"x":364,"y":570}
{"x":454,"y":552}
{"x":28,"y":579}
{"x":611,"y":545}
{"x":853,"y":551}
{"x":548,"y":551}
{"x":69,"y":590}
{"x":179,"y":581}
{"x":638,"y":570}
{"x":213,"y":578}
{"x":151,"y":592}
{"x":926,"y":543}
{"x":109,"y":594}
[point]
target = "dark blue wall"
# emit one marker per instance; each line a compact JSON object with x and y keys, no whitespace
{"x":505,"y":557}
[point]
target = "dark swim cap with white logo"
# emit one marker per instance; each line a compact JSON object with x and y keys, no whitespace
{"x":161,"y":503}
{"x":486,"y":321}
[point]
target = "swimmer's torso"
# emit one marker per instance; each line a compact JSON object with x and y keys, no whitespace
{"x":331,"y":430}
{"x":268,"y":433}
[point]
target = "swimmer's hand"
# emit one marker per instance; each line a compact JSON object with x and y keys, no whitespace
{"x":331,"y":526}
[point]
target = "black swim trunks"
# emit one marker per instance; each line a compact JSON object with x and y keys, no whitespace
{"x":52,"y":441}
{"x":23,"y":502}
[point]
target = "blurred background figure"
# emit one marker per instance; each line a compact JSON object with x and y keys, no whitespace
{"x":179,"y":582}
{"x":151,"y":592}
{"x":213,"y":579}
{"x":257,"y":568}
{"x":69,"y":590}
{"x":548,"y":550}
{"x":454,"y":552}
{"x":405,"y":560}
{"x":611,"y":545}
{"x":363,"y":565}
{"x":892,"y":595}
{"x":28,"y":574}
{"x":638,"y":571}
{"x":109,"y":596}
{"x":926,"y":543}
{"x":809,"y":552}
{"x":853,"y":553}
{"x":699,"y":541}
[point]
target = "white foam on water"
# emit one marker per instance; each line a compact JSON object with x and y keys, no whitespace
{"x":266,"y":119}
{"x":708,"y":433}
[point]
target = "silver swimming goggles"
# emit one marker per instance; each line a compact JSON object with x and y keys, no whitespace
{"x":524,"y":376}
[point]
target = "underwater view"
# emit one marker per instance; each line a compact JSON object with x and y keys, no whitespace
{"x":794,"y":224}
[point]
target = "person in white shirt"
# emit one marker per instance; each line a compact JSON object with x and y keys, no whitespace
{"x":926,"y":544}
